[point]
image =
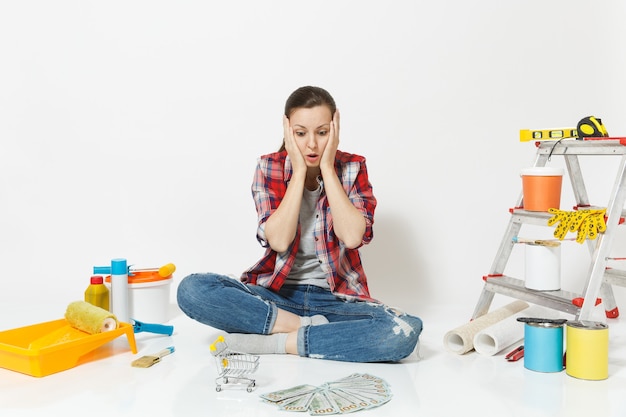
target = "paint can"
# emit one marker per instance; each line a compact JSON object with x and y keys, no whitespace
{"x":543,"y":347}
{"x":542,"y":267}
{"x":541,"y":187}
{"x":587,"y":350}
{"x":148,"y":296}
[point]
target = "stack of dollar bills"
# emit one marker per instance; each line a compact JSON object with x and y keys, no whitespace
{"x":346,"y":395}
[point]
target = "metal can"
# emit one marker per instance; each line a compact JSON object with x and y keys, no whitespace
{"x":587,"y":345}
{"x":543,"y":347}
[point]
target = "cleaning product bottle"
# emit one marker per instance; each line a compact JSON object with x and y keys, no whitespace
{"x":97,"y":293}
{"x":119,"y":289}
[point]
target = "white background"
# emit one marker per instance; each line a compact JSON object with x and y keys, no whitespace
{"x":131,"y":129}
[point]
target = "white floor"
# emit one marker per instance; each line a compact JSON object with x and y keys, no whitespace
{"x":183,"y":384}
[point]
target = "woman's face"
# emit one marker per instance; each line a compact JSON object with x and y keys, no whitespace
{"x":311,"y":130}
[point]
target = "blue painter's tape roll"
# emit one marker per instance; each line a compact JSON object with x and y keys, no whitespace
{"x":543,"y":347}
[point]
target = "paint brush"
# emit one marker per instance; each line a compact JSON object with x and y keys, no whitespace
{"x":149,"y":360}
{"x":541,"y":242}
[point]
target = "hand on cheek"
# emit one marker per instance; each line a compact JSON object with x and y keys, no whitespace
{"x":297,"y":160}
{"x":328,"y":158}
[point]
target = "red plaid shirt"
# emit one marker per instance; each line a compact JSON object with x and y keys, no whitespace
{"x":343,"y":266}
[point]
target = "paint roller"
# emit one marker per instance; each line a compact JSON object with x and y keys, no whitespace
{"x":90,"y":318}
{"x":82,"y":318}
{"x":164,"y":271}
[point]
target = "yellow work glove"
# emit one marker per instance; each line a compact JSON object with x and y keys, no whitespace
{"x":592,"y":224}
{"x":587,"y":223}
{"x":564,"y":218}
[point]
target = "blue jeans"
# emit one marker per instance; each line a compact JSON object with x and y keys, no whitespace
{"x":357,"y":331}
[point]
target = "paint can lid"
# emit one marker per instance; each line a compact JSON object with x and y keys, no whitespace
{"x":588,"y":325}
{"x":542,"y":322}
{"x":144,"y":277}
{"x":545,"y":325}
{"x":542,"y":172}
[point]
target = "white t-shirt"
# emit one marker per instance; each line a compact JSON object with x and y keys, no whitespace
{"x":307,"y":269}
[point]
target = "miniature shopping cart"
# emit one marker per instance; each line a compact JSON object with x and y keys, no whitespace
{"x":233,"y":367}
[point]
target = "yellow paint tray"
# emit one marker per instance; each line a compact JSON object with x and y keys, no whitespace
{"x":46,"y":348}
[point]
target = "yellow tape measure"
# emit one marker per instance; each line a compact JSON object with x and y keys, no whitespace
{"x":591,"y":127}
{"x":588,"y":127}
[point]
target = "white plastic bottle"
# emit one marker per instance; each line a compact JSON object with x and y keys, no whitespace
{"x":119,"y":290}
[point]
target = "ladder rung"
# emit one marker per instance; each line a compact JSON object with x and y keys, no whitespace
{"x":540,"y":218}
{"x":583,"y":147}
{"x":615,"y":277}
{"x":513,"y":287}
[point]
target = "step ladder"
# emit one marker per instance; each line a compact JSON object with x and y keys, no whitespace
{"x":599,"y":281}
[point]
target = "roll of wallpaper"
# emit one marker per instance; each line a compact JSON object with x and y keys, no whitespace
{"x":89,"y":318}
{"x":506,"y":332}
{"x":461,"y":339}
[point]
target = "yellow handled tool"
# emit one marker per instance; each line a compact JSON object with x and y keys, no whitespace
{"x":164,"y":271}
{"x":526,"y":135}
{"x":591,"y":127}
{"x":587,"y":127}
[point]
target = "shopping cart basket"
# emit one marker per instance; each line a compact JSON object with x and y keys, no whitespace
{"x":233,"y":367}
